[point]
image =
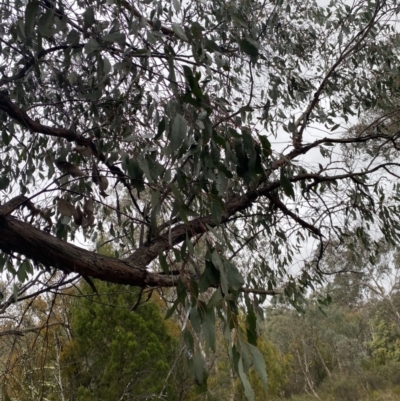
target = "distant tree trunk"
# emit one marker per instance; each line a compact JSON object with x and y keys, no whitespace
{"x":323,"y":362}
{"x":306,"y":373}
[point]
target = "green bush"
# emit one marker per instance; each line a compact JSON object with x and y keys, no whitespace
{"x":346,"y":390}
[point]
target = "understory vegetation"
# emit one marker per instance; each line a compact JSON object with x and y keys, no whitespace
{"x":107,"y":342}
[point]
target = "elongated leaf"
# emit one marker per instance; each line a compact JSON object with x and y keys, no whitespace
{"x":179,"y":32}
{"x":92,"y":95}
{"x":192,"y":81}
{"x":178,"y":132}
{"x":212,"y":46}
{"x":115,"y":37}
{"x":106,"y":65}
{"x":88,"y":17}
{"x":45,"y":23}
{"x":30,"y":17}
{"x":4,"y":182}
{"x":73,"y":37}
{"x":259,"y":364}
{"x":177,"y":5}
{"x":248,"y":391}
{"x":248,"y":47}
{"x":199,"y":370}
{"x":209,"y":328}
{"x":72,"y":77}
{"x":287,"y":186}
{"x":235,"y":279}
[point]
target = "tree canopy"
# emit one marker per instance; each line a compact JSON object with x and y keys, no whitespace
{"x":211,"y":142}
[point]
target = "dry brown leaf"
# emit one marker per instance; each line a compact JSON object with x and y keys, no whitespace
{"x":65,"y":208}
{"x":83,"y":150}
{"x":69,"y":168}
{"x":78,"y":216}
{"x":88,"y":207}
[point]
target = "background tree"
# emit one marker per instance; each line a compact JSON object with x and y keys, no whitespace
{"x":114,"y":353}
{"x":182,"y":108}
{"x":32,"y":341}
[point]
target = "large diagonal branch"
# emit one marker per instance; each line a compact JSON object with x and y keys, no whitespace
{"x":199,"y":225}
{"x":22,"y":117}
{"x":20,"y":237}
{"x":17,"y":236}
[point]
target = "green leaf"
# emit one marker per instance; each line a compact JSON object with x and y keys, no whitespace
{"x":30,"y":17}
{"x":163,"y":262}
{"x":259,"y":364}
{"x":172,"y":309}
{"x":131,"y":138}
{"x":177,"y":5}
{"x":4,"y":182}
{"x":21,"y":28}
{"x":72,"y":77}
{"x":216,"y":211}
{"x":287,"y":186}
{"x":235,"y":279}
{"x":251,"y":326}
{"x":91,"y":96}
{"x":248,"y":391}
{"x":88,"y":17}
{"x":5,"y":137}
{"x":160,"y":128}
{"x":265,"y":143}
{"x":106,"y":66}
{"x":195,"y":319}
{"x":73,"y":37}
{"x":199,"y":371}
{"x":179,"y":32}
{"x":209,"y":328}
{"x":238,"y":18}
{"x":217,"y":261}
{"x":115,"y":37}
{"x":178,"y":132}
{"x":188,"y":339}
{"x":6,"y":396}
{"x":91,"y":46}
{"x":209,"y":278}
{"x":215,"y":298}
{"x":15,"y":290}
{"x":21,"y":273}
{"x":197,"y":30}
{"x":211,"y":46}
{"x":192,"y":81}
{"x":248,"y":47}
{"x":45,"y":24}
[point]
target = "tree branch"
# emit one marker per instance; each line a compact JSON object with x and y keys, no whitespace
{"x":41,"y":247}
{"x":279,"y":204}
{"x":29,"y":330}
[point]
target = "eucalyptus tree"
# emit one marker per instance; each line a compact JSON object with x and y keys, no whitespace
{"x":223,"y":123}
